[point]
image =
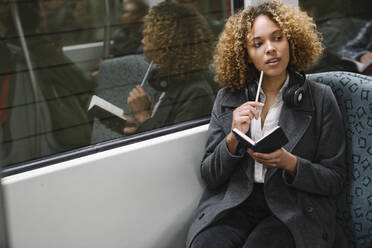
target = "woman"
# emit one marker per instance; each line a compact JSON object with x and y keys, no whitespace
{"x":284,"y":198}
{"x":179,"y":42}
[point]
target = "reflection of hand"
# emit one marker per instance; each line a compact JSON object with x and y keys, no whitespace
{"x":94,"y":74}
{"x":280,"y":158}
{"x":130,"y":126}
{"x":139,"y":103}
{"x":366,"y":57}
{"x":242,"y":117}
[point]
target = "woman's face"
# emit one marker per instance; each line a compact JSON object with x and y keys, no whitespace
{"x":268,"y":48}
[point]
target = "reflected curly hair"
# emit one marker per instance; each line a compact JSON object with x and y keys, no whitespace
{"x":181,"y":38}
{"x":231,"y":59}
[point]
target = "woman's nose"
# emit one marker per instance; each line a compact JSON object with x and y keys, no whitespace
{"x":269,"y":48}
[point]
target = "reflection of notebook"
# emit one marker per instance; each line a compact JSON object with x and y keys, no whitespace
{"x":104,"y":110}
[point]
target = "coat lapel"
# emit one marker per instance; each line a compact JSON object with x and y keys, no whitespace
{"x":228,"y":104}
{"x":234,"y":99}
{"x":294,"y":122}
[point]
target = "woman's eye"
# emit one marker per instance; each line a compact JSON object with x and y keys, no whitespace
{"x":257,"y":44}
{"x":278,"y":38}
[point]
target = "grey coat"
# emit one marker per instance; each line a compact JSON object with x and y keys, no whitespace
{"x":185,"y":100}
{"x":304,"y":202}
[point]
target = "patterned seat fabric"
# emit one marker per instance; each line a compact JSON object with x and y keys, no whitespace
{"x":354,"y":97}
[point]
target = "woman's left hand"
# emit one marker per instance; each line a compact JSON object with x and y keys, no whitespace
{"x":280,"y":158}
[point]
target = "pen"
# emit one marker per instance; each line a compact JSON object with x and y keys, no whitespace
{"x":146,"y":74}
{"x":259,"y":86}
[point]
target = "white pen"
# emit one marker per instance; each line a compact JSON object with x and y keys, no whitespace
{"x":259,"y":86}
{"x":146,"y":74}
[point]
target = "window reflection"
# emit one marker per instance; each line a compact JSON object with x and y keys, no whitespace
{"x":359,"y":49}
{"x":66,"y":22}
{"x":339,"y":23}
{"x":46,"y":108}
{"x":43,"y":105}
{"x":179,"y":42}
{"x":211,"y":12}
{"x":128,"y":35}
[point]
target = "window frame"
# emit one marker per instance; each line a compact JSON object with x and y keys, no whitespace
{"x":100,"y":147}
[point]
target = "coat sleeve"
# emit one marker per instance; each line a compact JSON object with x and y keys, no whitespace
{"x":218,"y":163}
{"x":360,"y":45}
{"x":326,"y":174}
{"x":196,"y":103}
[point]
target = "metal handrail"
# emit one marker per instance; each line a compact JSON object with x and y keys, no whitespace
{"x":231,"y":7}
{"x":106,"y":41}
{"x":17,"y":22}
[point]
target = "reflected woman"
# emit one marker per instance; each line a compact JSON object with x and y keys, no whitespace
{"x":268,"y":199}
{"x":179,"y":42}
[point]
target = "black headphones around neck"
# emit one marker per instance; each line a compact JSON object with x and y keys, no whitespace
{"x":293,"y":94}
{"x":157,"y":82}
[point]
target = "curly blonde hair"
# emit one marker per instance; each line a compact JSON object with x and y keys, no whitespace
{"x":181,"y":38}
{"x":231,"y":59}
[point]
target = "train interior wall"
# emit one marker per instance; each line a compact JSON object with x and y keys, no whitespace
{"x":140,"y":195}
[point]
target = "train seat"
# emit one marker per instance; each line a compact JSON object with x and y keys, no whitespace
{"x":354,"y":96}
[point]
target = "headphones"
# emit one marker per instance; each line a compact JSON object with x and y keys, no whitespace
{"x":157,"y":82}
{"x":293,"y":94}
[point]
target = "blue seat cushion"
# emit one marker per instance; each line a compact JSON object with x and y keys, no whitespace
{"x":354,"y":96}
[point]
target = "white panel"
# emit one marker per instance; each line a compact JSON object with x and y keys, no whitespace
{"x":84,"y":55}
{"x":136,"y":196}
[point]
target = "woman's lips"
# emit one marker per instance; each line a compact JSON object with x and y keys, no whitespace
{"x":273,"y":61}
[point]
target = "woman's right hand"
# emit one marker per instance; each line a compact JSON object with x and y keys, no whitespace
{"x":242,"y":117}
{"x":139,"y":103}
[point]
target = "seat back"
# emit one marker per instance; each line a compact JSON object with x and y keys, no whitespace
{"x":354,"y":96}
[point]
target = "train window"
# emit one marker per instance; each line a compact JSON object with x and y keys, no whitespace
{"x":57,"y":54}
{"x":150,"y":58}
{"x":346,"y":27}
{"x":171,"y":46}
